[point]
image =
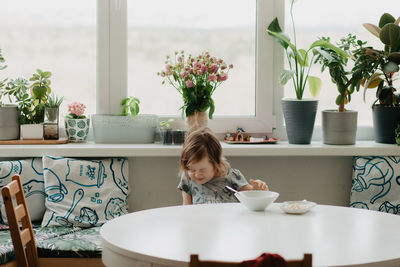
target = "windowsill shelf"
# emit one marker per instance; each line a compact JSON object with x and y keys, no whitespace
{"x":90,"y":149}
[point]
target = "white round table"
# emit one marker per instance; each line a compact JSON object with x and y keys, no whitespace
{"x":336,"y":236}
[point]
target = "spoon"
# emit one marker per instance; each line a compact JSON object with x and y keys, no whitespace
{"x":230,"y":188}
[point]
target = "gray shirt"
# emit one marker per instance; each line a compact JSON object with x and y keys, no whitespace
{"x":213,"y":191}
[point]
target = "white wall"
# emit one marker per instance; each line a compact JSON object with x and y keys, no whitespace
{"x":325,"y":180}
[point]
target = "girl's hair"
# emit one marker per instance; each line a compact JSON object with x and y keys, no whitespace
{"x":203,"y":143}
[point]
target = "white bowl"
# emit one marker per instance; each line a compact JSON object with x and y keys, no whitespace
{"x":256,"y":200}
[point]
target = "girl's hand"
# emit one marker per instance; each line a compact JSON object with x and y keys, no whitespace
{"x":259,"y":185}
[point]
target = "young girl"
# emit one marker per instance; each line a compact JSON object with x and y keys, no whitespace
{"x":205,"y":172}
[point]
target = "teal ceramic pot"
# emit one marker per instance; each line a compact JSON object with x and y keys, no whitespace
{"x":77,"y":129}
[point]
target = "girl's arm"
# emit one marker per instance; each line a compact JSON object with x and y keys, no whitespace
{"x":187,"y":199}
{"x":255,"y":185}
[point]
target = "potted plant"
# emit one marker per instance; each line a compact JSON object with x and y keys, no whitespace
{"x":196,"y":79}
{"x":127,"y":127}
{"x":299,"y":113}
{"x":384,"y":64}
{"x":76,"y":123}
{"x":32,"y":108}
{"x":51,"y":110}
{"x":9,"y":113}
{"x":340,"y":126}
{"x":166,"y":132}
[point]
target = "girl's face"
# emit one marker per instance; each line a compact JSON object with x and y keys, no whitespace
{"x":201,"y":171}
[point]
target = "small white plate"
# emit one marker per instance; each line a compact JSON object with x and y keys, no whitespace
{"x":297,"y":207}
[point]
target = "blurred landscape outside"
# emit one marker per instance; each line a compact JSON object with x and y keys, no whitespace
{"x":60,"y":36}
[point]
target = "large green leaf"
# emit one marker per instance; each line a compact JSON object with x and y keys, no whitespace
{"x":385,"y":19}
{"x":315,"y":85}
{"x":323,"y":53}
{"x":283,"y":40}
{"x":302,"y":57}
{"x":325,"y":44}
{"x":274,"y":27}
{"x":394,"y":57}
{"x":285,"y":76}
{"x":390,"y":35}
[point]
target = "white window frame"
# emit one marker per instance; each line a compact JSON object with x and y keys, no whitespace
{"x":112,"y":66}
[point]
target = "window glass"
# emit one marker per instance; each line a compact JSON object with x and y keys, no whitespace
{"x":225,"y":28}
{"x":337,"y":20}
{"x":55,"y":36}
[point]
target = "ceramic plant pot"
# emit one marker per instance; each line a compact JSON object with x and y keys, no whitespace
{"x":9,"y":124}
{"x":299,"y":119}
{"x":385,"y":120}
{"x":32,"y":131}
{"x":77,"y":129}
{"x":339,"y":128}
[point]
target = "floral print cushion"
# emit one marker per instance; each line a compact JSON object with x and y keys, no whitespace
{"x":84,"y":244}
{"x":43,"y":235}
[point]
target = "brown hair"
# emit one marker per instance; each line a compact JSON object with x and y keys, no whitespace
{"x":203,"y":143}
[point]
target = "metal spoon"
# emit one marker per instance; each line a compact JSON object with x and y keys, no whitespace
{"x":230,"y":188}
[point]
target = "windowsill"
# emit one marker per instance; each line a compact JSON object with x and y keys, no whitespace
{"x":90,"y":149}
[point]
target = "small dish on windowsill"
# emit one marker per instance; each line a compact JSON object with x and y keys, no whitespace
{"x":297,"y":207}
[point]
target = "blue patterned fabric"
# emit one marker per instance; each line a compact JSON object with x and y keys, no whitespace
{"x":84,"y":193}
{"x":31,"y":172}
{"x":376,"y":184}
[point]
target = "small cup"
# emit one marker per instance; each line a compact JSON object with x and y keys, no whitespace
{"x":166,"y":136}
{"x":178,"y":137}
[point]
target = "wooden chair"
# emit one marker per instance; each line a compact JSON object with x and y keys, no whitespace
{"x":22,"y":236}
{"x":23,"y":240}
{"x":195,"y":262}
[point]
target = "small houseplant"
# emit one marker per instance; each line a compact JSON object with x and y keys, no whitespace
{"x":32,"y":106}
{"x":340,"y":126}
{"x":127,"y":127}
{"x":196,"y":79}
{"x":9,"y":113}
{"x":299,"y":113}
{"x":76,"y":123}
{"x":384,"y":64}
{"x":51,"y":111}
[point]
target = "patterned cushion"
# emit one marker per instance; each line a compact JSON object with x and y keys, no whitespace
{"x":85,"y":243}
{"x":376,"y":184}
{"x":41,"y":234}
{"x":84,"y":193}
{"x":31,"y":172}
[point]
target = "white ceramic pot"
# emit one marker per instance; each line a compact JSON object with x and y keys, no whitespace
{"x":32,"y":131}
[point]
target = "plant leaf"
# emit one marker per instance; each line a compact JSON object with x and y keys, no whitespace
{"x":394,"y":57}
{"x":375,"y":30}
{"x":315,"y":85}
{"x":385,"y":19}
{"x":390,"y":35}
{"x":325,"y":44}
{"x":302,"y":57}
{"x":390,"y":67}
{"x":285,"y":76}
{"x":275,"y":27}
{"x":323,"y":53}
{"x":283,"y":40}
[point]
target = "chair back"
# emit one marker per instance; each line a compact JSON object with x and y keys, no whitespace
{"x":195,"y":262}
{"x":17,"y":215}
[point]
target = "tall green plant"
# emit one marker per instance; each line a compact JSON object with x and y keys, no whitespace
{"x":130,"y":106}
{"x":346,"y":81}
{"x":299,"y":59}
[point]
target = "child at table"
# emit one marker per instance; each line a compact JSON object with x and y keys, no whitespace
{"x":205,"y":172}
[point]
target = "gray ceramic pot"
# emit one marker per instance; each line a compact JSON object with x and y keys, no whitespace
{"x":9,"y":122}
{"x":339,"y":128}
{"x":299,"y":119}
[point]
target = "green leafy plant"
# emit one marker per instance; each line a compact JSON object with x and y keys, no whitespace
{"x":53,"y":101}
{"x":299,"y":59}
{"x":130,"y":106}
{"x":346,"y":81}
{"x":32,"y":108}
{"x":383,"y":63}
{"x":166,"y":124}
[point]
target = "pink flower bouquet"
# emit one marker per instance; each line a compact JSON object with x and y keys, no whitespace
{"x":196,"y":79}
{"x":76,"y":110}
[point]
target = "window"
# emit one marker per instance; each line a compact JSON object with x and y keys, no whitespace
{"x":236,"y":34}
{"x":55,"y":36}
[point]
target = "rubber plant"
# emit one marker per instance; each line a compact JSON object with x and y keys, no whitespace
{"x":384,"y":63}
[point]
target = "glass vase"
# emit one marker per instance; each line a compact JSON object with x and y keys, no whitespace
{"x":50,"y":125}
